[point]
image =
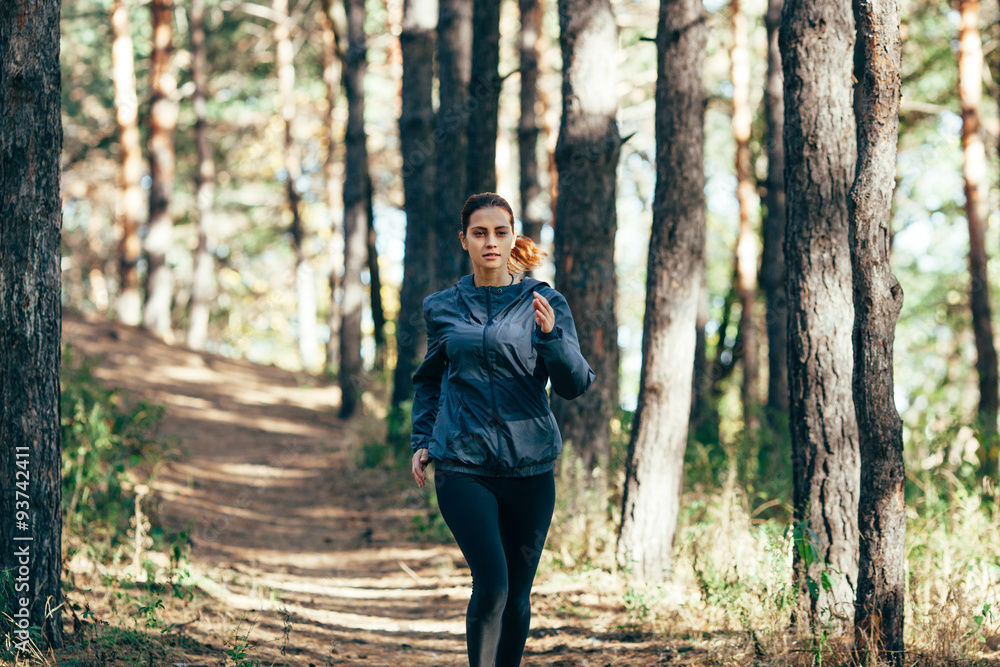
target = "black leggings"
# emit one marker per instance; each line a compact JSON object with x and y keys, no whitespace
{"x":500,"y":524}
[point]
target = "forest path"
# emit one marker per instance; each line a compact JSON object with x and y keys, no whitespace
{"x":283,"y":520}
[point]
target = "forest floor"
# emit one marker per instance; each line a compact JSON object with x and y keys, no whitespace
{"x":299,"y":556}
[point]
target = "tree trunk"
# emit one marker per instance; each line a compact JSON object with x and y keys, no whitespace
{"x":655,"y":462}
{"x":163,"y":123}
{"x":970,"y":86}
{"x":203,"y":289}
{"x":817,"y":41}
{"x":527,"y":130}
{"x":587,"y":155}
{"x":726,"y":356}
{"x":374,"y":278}
{"x":305,"y":280}
{"x":416,"y":123}
{"x":747,"y":247}
{"x":878,"y":298}
{"x":454,"y":48}
{"x":332,"y":59}
{"x":700,"y":379}
{"x":130,"y":197}
{"x":773,"y":262}
{"x":355,"y":212}
{"x":484,"y":90}
{"x":30,"y":318}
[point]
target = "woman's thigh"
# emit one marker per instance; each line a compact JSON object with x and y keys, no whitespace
{"x":470,"y":509}
{"x":525,"y":509}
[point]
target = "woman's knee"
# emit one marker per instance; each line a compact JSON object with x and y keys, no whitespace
{"x":517,"y":607}
{"x":491,"y":596}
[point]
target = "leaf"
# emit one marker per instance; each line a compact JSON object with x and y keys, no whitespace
{"x":825,"y":580}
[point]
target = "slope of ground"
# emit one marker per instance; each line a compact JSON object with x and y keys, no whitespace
{"x":298,"y":555}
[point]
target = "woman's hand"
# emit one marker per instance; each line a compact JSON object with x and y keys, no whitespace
{"x":544,"y":315}
{"x":420,"y":458}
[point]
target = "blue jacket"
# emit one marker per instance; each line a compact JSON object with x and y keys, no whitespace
{"x":480,"y":404}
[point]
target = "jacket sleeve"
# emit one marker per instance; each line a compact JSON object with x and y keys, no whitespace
{"x":427,"y":384}
{"x":570,"y":373}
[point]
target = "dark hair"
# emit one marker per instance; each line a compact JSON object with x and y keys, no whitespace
{"x":525,"y":255}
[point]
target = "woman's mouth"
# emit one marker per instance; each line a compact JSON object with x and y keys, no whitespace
{"x":491,"y":255}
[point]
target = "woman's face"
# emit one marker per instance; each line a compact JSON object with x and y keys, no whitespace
{"x":489,"y":238}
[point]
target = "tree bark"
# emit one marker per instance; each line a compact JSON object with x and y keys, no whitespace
{"x":747,"y":246}
{"x":374,"y":277}
{"x":817,"y":41}
{"x":332,"y":59}
{"x":484,"y":90}
{"x":163,"y":123}
{"x":30,"y":317}
{"x":454,"y":50}
{"x":586,"y":156}
{"x":305,"y":281}
{"x":203,"y":289}
{"x":878,"y":299}
{"x":528,"y":130}
{"x":700,"y":380}
{"x":773,"y":261}
{"x":355,"y":212}
{"x":416,"y":123}
{"x":655,"y":462}
{"x":970,"y":86}
{"x":130,"y":197}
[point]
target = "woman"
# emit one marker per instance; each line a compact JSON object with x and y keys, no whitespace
{"x":481,"y":413}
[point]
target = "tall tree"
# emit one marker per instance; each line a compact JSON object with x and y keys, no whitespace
{"x":970,"y":87}
{"x":878,"y":298}
{"x":163,"y":123}
{"x":355,"y":211}
{"x":374,"y":277}
{"x":484,"y":90}
{"x":587,"y":156}
{"x":130,"y":197}
{"x":332,"y":59}
{"x":454,"y":55}
{"x":700,"y":378}
{"x":747,"y":246}
{"x":817,"y":42}
{"x":416,"y":123}
{"x":655,"y":460}
{"x":203,"y":289}
{"x":527,"y":129}
{"x":30,"y":316}
{"x":305,"y":280}
{"x":772,"y":275}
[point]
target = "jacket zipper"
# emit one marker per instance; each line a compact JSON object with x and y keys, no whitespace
{"x":489,"y":371}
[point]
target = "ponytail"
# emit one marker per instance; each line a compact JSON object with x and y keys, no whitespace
{"x":525,"y":255}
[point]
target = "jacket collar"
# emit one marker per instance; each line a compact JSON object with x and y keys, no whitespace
{"x":472,"y":299}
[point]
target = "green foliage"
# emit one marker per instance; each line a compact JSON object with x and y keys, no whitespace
{"x":238,"y":649}
{"x":106,"y":441}
{"x":430,"y":525}
{"x":399,"y":426}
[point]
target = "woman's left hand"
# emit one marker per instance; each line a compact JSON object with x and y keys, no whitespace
{"x":544,"y":315}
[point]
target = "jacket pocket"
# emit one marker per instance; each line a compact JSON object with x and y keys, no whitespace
{"x":462,"y":436}
{"x":532,"y":438}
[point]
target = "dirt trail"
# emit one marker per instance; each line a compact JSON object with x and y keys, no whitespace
{"x":283,"y":520}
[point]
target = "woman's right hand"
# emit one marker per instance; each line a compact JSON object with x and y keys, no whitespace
{"x":420,"y":459}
